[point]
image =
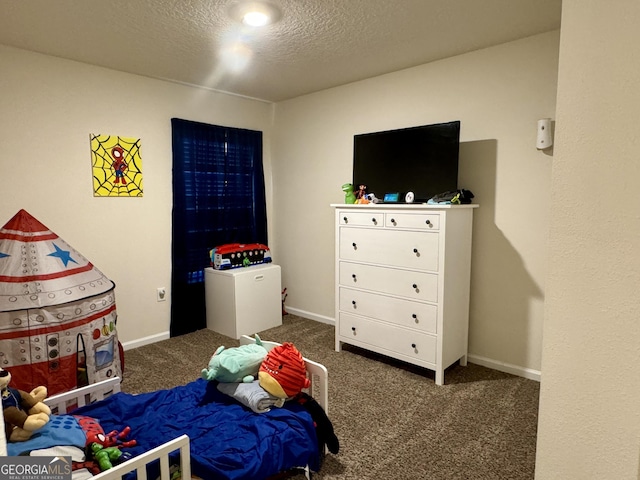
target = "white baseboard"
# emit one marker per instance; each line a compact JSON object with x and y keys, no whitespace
{"x":505,"y":367}
{"x":141,"y":342}
{"x":477,"y":359}
{"x":310,"y":316}
{"x":166,"y":335}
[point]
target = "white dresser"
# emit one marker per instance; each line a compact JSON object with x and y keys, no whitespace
{"x":402,"y":281}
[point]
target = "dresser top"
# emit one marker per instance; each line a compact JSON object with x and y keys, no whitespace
{"x":403,"y":206}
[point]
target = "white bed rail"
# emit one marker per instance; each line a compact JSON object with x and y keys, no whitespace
{"x":63,"y":402}
{"x":161,"y":453}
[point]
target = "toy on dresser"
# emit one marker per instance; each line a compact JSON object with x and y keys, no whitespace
{"x":349,"y":195}
{"x":361,"y":196}
{"x":24,"y":413}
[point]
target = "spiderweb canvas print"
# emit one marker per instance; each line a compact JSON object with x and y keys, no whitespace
{"x":116,"y":166}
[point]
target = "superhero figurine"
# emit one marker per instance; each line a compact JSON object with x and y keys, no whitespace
{"x":113,"y":439}
{"x":105,"y":456}
{"x":105,"y":448}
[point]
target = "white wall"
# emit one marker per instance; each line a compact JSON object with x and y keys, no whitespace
{"x":499,"y":94}
{"x":589,"y":423}
{"x":48,"y":108}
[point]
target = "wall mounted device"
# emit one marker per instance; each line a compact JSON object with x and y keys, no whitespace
{"x":544,"y":138}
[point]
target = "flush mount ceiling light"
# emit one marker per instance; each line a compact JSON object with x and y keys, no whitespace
{"x":254,"y":13}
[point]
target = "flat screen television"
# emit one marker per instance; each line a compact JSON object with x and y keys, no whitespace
{"x":422,"y":160}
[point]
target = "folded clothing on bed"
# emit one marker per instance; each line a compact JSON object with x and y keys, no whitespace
{"x":251,"y":395}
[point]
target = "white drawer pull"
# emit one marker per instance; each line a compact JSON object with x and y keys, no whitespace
{"x":257,"y":278}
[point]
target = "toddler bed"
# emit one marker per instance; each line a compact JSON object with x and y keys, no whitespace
{"x":209,"y":434}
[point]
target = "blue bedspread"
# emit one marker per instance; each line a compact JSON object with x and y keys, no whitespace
{"x":228,"y":440}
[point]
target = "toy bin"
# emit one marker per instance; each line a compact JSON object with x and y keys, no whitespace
{"x":243,"y":301}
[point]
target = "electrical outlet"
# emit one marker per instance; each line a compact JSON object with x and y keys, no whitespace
{"x":161,"y":294}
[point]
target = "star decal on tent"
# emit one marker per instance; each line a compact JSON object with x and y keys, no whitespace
{"x":64,"y":255}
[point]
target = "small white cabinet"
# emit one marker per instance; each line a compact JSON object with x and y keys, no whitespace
{"x":402,"y":281}
{"x":243,"y":301}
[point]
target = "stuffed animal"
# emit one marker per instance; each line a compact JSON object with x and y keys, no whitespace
{"x":283,"y":373}
{"x":24,"y":413}
{"x":236,"y":364}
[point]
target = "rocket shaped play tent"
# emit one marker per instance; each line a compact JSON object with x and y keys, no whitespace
{"x":57,"y":311}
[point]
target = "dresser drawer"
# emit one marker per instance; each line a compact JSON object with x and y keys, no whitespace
{"x":410,"y":284}
{"x":408,"y":313}
{"x":398,"y":341}
{"x":415,"y":250}
{"x":361,"y":219}
{"x":423,"y":221}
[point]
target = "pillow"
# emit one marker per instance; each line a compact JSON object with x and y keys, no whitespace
{"x":61,"y":430}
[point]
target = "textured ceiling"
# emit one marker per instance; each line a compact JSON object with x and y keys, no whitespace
{"x":317,"y":44}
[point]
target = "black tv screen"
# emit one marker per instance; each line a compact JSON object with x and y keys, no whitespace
{"x":422,"y":160}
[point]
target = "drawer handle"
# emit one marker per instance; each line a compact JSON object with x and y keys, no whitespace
{"x":413,"y":345}
{"x":393,"y":220}
{"x":353,"y":302}
{"x":415,"y":317}
{"x":355,"y":246}
{"x":428,"y":222}
{"x":345,"y":219}
{"x":353,"y":275}
{"x":353,"y":329}
{"x":415,"y":285}
{"x":415,"y":250}
{"x":375,"y":222}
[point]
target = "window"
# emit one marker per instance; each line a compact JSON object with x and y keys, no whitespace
{"x":218,"y":198}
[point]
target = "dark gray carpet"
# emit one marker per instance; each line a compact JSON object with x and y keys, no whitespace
{"x":393,"y":422}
